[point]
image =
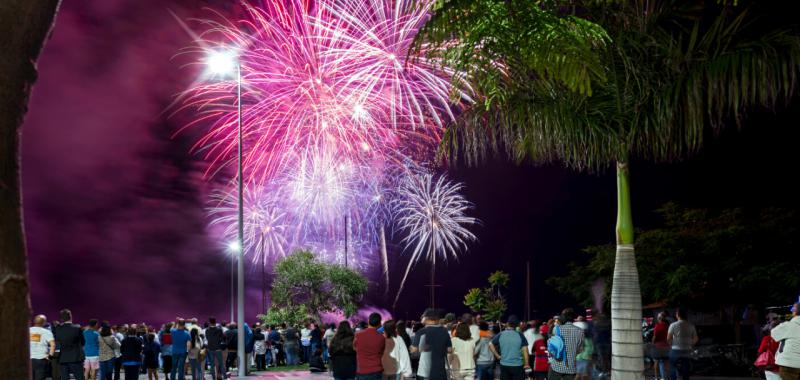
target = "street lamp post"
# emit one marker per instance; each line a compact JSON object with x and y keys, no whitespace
{"x":223,"y":63}
{"x":240,"y":289}
{"x":233,"y":291}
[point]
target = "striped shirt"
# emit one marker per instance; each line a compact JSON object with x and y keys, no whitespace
{"x":573,"y":342}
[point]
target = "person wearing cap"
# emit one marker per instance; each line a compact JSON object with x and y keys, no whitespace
{"x":788,"y":334}
{"x":513,"y":351}
{"x":433,"y":343}
{"x":573,"y":343}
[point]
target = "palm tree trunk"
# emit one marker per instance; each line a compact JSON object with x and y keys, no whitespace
{"x":24,"y":26}
{"x":627,"y":349}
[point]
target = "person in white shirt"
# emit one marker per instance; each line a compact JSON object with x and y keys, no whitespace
{"x":330,"y":331}
{"x":788,"y":335}
{"x":530,"y":334}
{"x":305,"y":342}
{"x":43,"y":346}
{"x":462,"y":362}
{"x":395,"y":361}
{"x":681,"y":336}
{"x":474,"y":331}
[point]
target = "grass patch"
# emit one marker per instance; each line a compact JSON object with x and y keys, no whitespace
{"x":302,"y":367}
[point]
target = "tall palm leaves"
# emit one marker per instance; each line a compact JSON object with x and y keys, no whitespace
{"x":666,"y":75}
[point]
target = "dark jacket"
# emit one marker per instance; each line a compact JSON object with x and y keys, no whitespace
{"x":232,"y":339}
{"x":151,"y":351}
{"x":69,"y":337}
{"x":249,"y":342}
{"x":131,"y":349}
{"x":343,"y":358}
{"x":315,"y":364}
{"x":216,"y":338}
{"x":316,"y":336}
{"x":274,"y":337}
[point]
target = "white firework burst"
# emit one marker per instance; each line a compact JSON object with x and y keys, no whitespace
{"x":432,"y":213}
{"x":265,"y":225}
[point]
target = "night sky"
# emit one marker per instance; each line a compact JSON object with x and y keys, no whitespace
{"x":113,"y":201}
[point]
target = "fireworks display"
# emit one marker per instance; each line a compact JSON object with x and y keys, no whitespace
{"x":336,"y":112}
{"x":432,"y":213}
{"x":265,"y":224}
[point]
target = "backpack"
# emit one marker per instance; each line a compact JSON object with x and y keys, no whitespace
{"x":556,"y":346}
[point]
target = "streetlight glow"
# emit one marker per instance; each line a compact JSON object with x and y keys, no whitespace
{"x":226,"y":63}
{"x":221,"y":63}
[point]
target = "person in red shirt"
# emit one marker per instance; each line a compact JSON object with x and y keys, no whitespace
{"x":369,"y":345}
{"x":540,"y":364}
{"x":769,"y":345}
{"x":660,"y":345}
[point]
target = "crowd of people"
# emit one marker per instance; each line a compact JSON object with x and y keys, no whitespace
{"x":438,"y":347}
{"x":178,"y":349}
{"x":430,"y":349}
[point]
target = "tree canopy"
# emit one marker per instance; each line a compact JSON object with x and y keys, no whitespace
{"x":304,"y":287}
{"x":592,"y":82}
{"x":704,"y":259}
{"x":489,"y":301}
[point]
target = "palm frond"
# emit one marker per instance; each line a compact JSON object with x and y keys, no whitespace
{"x":671,"y":73}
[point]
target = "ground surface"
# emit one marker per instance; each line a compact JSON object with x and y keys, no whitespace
{"x":303,"y":374}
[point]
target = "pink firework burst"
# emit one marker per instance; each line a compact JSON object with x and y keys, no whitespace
{"x":266,"y":226}
{"x":325,"y":75}
{"x":334,"y":108}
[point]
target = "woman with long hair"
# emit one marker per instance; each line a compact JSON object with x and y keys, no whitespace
{"x":108,"y":346}
{"x":463,"y":360}
{"x":193,"y":347}
{"x":403,"y":333}
{"x":342,"y":354}
{"x":395,"y":361}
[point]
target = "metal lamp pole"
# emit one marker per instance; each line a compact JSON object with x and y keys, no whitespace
{"x":222,"y":63}
{"x":233,"y":289}
{"x":240,"y":264}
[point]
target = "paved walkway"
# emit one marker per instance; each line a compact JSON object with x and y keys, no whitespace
{"x":305,"y":375}
{"x":287,"y":375}
{"x":276,"y":375}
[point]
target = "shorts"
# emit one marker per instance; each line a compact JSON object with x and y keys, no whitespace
{"x":91,"y":362}
{"x":583,"y":367}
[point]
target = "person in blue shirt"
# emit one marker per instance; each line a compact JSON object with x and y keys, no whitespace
{"x":165,"y":340}
{"x":513,"y":351}
{"x":249,"y":345}
{"x":180,"y":337}
{"x":274,"y":338}
{"x":91,"y":349}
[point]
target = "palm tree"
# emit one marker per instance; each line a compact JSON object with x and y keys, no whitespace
{"x":24,"y":26}
{"x":667,"y":75}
